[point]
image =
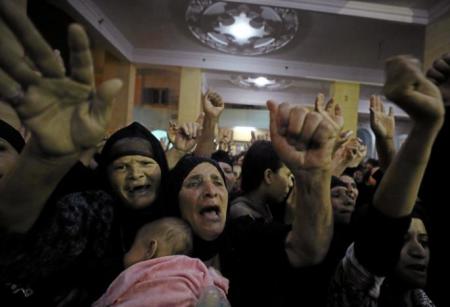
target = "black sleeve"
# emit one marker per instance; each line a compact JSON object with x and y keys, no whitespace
{"x":379,"y":240}
{"x":259,"y":242}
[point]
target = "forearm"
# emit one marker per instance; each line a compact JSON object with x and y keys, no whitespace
{"x":398,"y":190}
{"x":26,"y":189}
{"x":312,"y":228}
{"x":386,"y":151}
{"x":205,"y":146}
{"x":174,"y":155}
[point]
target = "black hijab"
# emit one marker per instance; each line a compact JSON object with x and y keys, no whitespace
{"x":135,"y":139}
{"x":203,"y":249}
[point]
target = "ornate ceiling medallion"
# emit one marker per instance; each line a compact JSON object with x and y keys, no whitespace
{"x":243,"y":29}
{"x":260,"y":82}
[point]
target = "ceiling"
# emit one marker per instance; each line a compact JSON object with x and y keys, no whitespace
{"x":337,"y":40}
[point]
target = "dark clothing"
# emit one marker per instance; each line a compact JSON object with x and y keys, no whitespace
{"x":60,"y":252}
{"x":366,"y":192}
{"x":359,"y":276}
{"x":434,"y":193}
{"x":313,"y":281}
{"x":253,"y":258}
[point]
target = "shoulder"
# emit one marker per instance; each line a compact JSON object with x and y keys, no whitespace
{"x":97,"y":204}
{"x":239,"y":210}
{"x":352,"y":284}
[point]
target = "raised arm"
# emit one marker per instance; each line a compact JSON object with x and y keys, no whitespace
{"x":383,"y":126}
{"x":304,"y":141}
{"x":213,"y":106}
{"x":407,"y":87}
{"x":381,"y":232}
{"x":184,"y":140}
{"x":349,"y":154}
{"x":64,"y":113}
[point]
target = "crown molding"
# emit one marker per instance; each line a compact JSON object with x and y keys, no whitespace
{"x":97,"y":19}
{"x":352,"y":8}
{"x":258,"y":65}
{"x":438,"y":10}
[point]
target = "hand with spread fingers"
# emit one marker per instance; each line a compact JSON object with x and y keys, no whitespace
{"x":382,"y":123}
{"x":64,"y":113}
{"x":172,"y":131}
{"x":333,"y":112}
{"x":383,"y":126}
{"x":439,"y":74}
{"x":187,"y":136}
{"x":350,"y":154}
{"x":303,"y":139}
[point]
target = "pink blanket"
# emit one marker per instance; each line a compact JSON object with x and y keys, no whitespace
{"x":165,"y":281}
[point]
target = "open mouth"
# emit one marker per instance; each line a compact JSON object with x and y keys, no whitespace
{"x":210,"y":212}
{"x":346,"y":211}
{"x":417,"y":267}
{"x":138,"y":189}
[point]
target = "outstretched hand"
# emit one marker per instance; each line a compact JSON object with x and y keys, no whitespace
{"x":382,"y":123}
{"x":333,"y":113}
{"x":351,"y":153}
{"x":64,"y":113}
{"x":304,"y":140}
{"x":187,"y":135}
{"x":410,"y":90}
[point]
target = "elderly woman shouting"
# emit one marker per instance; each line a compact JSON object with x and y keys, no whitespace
{"x":257,"y":257}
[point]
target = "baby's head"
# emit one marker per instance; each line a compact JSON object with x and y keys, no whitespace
{"x":163,"y":237}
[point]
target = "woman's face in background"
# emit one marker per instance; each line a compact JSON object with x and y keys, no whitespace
{"x":412,"y":266}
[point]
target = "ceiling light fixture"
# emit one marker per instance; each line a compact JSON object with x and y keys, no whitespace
{"x":241,"y":28}
{"x":260,"y":82}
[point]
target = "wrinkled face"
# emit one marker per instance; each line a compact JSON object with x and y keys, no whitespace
{"x":135,"y":180}
{"x":343,"y":200}
{"x":229,"y":175}
{"x":281,"y":184}
{"x":8,"y":157}
{"x":203,"y":200}
{"x":412,"y":266}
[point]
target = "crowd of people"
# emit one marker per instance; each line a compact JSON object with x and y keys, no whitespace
{"x":301,"y":219}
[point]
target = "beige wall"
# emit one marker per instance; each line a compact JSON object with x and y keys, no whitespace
{"x":107,"y":67}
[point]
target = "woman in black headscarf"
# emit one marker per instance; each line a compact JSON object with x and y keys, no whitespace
{"x":258,"y":257}
{"x":134,"y":168}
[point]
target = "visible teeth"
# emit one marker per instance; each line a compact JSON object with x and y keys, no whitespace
{"x":138,"y":189}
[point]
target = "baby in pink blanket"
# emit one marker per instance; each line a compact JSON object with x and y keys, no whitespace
{"x":159,"y":274}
